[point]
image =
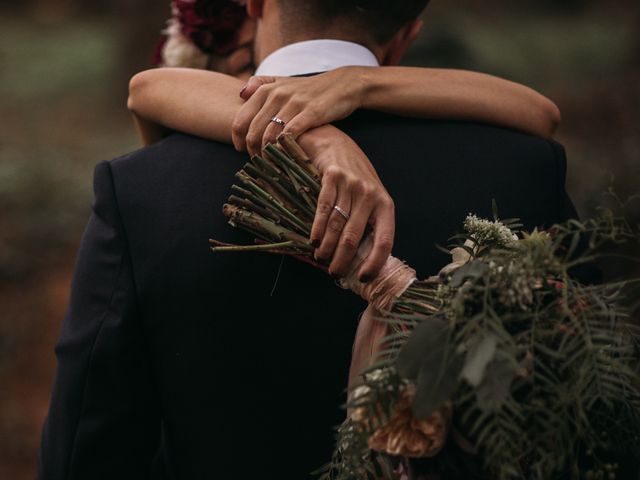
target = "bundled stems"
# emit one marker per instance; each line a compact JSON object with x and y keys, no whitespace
{"x":276,"y":201}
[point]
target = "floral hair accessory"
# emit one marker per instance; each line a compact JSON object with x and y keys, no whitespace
{"x":199,"y":29}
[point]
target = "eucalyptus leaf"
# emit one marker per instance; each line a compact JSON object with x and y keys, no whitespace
{"x":437,"y":381}
{"x":494,"y":209}
{"x":474,"y":270}
{"x":478,"y":358}
{"x":426,"y":338}
{"x":495,"y":387}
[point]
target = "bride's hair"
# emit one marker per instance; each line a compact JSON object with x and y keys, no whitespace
{"x":379,"y":19}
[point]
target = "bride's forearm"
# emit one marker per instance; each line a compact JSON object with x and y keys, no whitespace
{"x":458,"y":94}
{"x":201,"y":103}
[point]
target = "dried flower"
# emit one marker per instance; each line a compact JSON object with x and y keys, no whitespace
{"x":179,"y":51}
{"x":405,"y":435}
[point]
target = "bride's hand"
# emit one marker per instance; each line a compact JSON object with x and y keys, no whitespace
{"x":350,"y":183}
{"x":301,"y":102}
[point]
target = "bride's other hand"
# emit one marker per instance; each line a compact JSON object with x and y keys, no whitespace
{"x":350,"y":183}
{"x":302,"y":103}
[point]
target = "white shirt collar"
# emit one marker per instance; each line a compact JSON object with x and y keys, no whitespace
{"x":315,"y":56}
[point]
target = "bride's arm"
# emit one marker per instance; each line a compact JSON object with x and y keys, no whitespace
{"x":198,"y":102}
{"x":458,"y":94}
{"x":205,"y":103}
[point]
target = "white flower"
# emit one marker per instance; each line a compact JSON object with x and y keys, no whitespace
{"x":179,"y":51}
{"x":485,"y":232}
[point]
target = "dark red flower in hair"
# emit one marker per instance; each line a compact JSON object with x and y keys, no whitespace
{"x":212,"y":25}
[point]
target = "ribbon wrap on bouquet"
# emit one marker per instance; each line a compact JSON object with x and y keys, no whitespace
{"x":381,"y":293}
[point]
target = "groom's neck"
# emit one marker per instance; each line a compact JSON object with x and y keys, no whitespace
{"x":273,"y":33}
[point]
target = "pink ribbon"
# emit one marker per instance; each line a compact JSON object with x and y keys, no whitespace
{"x":381,"y":293}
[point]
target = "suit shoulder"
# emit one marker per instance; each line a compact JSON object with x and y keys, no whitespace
{"x":174,"y":175}
{"x":171,"y":149}
{"x":447,"y":139}
{"x":395,"y":129}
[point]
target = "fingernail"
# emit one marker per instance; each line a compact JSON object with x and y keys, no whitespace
{"x":322,"y":261}
{"x":243,"y":90}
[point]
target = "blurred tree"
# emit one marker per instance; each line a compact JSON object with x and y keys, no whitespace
{"x":636,"y":47}
{"x":563,"y":6}
{"x":141,"y":23}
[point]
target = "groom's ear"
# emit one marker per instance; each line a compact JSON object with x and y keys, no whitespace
{"x":401,"y":41}
{"x":254,"y":8}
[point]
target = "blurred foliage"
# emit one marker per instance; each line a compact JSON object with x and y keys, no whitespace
{"x":57,"y":123}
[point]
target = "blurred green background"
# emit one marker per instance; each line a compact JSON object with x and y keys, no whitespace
{"x":64,"y":68}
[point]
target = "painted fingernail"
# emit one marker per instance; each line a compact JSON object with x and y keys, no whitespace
{"x":322,"y":261}
{"x":243,"y":90}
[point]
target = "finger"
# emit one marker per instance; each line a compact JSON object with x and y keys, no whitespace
{"x":383,"y":234}
{"x":335,"y":224}
{"x":273,"y":130}
{"x":258,"y":125}
{"x":302,"y":122}
{"x":243,"y":119}
{"x":271,"y":133}
{"x":326,"y":201}
{"x":253,"y":85}
{"x":350,"y":239}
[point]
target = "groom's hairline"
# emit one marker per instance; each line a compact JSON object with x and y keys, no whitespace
{"x":293,"y":10}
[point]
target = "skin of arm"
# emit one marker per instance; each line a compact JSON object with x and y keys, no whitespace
{"x":198,"y":102}
{"x":207,"y":103}
{"x":458,"y":94}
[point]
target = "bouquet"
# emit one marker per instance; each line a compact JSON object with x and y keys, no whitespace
{"x":503,"y":366}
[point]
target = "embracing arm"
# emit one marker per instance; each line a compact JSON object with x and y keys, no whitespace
{"x":205,"y":103}
{"x":305,"y":103}
{"x":459,"y":95}
{"x":198,"y":102}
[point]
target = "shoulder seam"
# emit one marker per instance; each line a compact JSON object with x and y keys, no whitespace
{"x":125,"y":237}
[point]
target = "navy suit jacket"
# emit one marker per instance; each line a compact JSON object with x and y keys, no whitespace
{"x":177,"y":363}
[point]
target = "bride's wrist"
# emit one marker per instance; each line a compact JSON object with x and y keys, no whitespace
{"x":356,"y":83}
{"x":367,"y":78}
{"x":320,"y":138}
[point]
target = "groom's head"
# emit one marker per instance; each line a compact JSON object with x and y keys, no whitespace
{"x":387,"y":27}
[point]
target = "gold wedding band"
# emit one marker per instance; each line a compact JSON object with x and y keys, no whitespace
{"x":342,"y":212}
{"x":279,"y":121}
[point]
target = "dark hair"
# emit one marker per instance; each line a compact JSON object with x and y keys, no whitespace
{"x":379,"y":18}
